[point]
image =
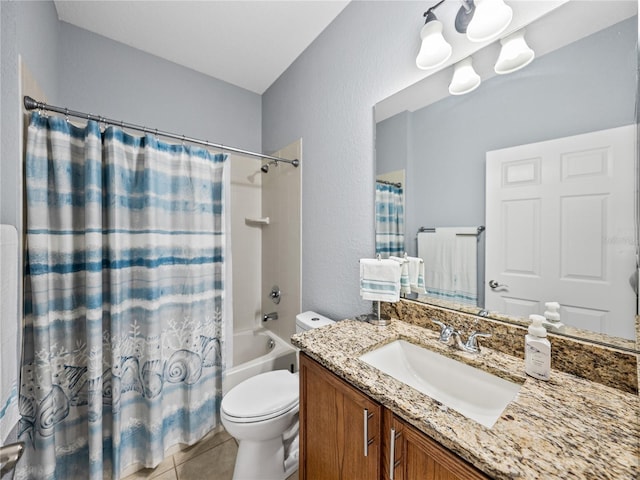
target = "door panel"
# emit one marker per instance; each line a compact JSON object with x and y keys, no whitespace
{"x":560,"y":227}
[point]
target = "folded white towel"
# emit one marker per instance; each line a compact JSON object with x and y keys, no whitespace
{"x":416,"y":274}
{"x":405,"y":285}
{"x":380,"y":280}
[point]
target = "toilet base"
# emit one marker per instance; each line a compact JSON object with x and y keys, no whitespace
{"x":263,"y":460}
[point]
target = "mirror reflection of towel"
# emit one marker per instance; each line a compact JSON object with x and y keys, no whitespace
{"x":450,"y":259}
{"x":416,"y":274}
{"x":405,"y":285}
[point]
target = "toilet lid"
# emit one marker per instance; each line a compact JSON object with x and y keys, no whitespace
{"x":262,"y":397}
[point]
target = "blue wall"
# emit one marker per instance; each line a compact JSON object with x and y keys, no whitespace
{"x":101,"y":76}
{"x":326,"y":97}
{"x":29,"y":30}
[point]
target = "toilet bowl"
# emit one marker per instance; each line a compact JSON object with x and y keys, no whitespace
{"x":256,"y":413}
{"x":261,"y":413}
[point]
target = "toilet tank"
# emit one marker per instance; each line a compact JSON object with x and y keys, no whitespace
{"x":308,"y":320}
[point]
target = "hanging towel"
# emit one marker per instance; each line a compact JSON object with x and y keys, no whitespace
{"x":380,"y":280}
{"x":9,"y":323}
{"x":416,"y":274}
{"x":450,"y":258}
{"x":405,"y":285}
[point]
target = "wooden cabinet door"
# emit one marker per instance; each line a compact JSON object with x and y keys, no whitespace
{"x":339,"y":428}
{"x":417,"y":457}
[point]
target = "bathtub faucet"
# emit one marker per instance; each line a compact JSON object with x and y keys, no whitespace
{"x":270,"y":316}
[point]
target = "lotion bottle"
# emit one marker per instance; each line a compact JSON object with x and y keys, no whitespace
{"x":537,"y":350}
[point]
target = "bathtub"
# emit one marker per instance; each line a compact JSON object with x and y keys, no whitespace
{"x":257,"y":351}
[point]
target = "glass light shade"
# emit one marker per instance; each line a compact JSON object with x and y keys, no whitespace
{"x":514,"y":54}
{"x":465,"y":79}
{"x":491,"y":18}
{"x":434,"y":50}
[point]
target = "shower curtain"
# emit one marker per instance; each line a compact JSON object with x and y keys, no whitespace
{"x":124,"y":299}
{"x":389,"y":220}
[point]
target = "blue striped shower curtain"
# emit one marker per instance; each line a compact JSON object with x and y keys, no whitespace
{"x":389,"y":220}
{"x":124,"y":299}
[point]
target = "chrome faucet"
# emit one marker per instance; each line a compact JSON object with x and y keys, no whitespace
{"x":270,"y":316}
{"x":471,"y":345}
{"x":472,"y":342}
{"x":445,"y":331}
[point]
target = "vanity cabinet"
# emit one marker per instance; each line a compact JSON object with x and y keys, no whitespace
{"x":340,"y":428}
{"x":409,"y":454}
{"x":344,"y":435}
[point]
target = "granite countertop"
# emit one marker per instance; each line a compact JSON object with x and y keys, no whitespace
{"x":567,"y":428}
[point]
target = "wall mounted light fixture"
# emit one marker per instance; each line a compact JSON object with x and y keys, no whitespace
{"x":481,"y":21}
{"x":434,"y":50}
{"x":490,"y":19}
{"x":465,"y":79}
{"x":514,"y":54}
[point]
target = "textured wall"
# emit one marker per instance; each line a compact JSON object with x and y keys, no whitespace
{"x":30,"y":31}
{"x":326,"y":98}
{"x":105,"y":77}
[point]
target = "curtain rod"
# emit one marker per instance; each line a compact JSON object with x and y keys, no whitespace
{"x":32,"y":104}
{"x":393,"y":184}
{"x":481,"y":229}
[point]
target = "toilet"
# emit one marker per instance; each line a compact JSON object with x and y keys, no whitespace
{"x":261,"y":413}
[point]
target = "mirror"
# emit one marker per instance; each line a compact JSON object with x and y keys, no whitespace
{"x":582,"y":80}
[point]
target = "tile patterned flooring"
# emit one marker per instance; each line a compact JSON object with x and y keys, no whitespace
{"x":212,"y":458}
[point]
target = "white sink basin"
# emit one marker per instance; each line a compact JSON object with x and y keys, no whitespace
{"x":472,"y":392}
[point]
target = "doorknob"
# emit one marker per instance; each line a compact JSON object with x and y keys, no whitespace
{"x":494,"y":284}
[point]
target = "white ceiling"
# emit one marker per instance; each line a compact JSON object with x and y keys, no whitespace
{"x":245,"y":43}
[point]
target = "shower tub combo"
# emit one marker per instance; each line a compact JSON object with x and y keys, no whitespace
{"x":257,"y":351}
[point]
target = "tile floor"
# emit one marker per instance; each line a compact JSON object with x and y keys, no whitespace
{"x":212,"y":458}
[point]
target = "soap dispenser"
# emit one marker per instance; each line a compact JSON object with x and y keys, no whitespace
{"x":552,"y":317}
{"x":537,"y":350}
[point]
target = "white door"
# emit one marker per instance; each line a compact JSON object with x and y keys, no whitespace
{"x":560,"y":227}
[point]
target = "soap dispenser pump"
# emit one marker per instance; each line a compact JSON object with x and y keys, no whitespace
{"x":551,"y":313}
{"x":537,"y":350}
{"x":552,"y":316}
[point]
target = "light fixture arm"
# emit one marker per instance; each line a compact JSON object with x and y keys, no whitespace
{"x":468,"y":6}
{"x":429,"y":15}
{"x":464,"y":15}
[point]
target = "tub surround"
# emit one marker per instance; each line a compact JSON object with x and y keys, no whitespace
{"x":252,"y":356}
{"x":568,"y":424}
{"x":602,"y":364}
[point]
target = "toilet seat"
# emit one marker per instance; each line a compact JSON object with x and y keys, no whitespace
{"x":262,"y":397}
